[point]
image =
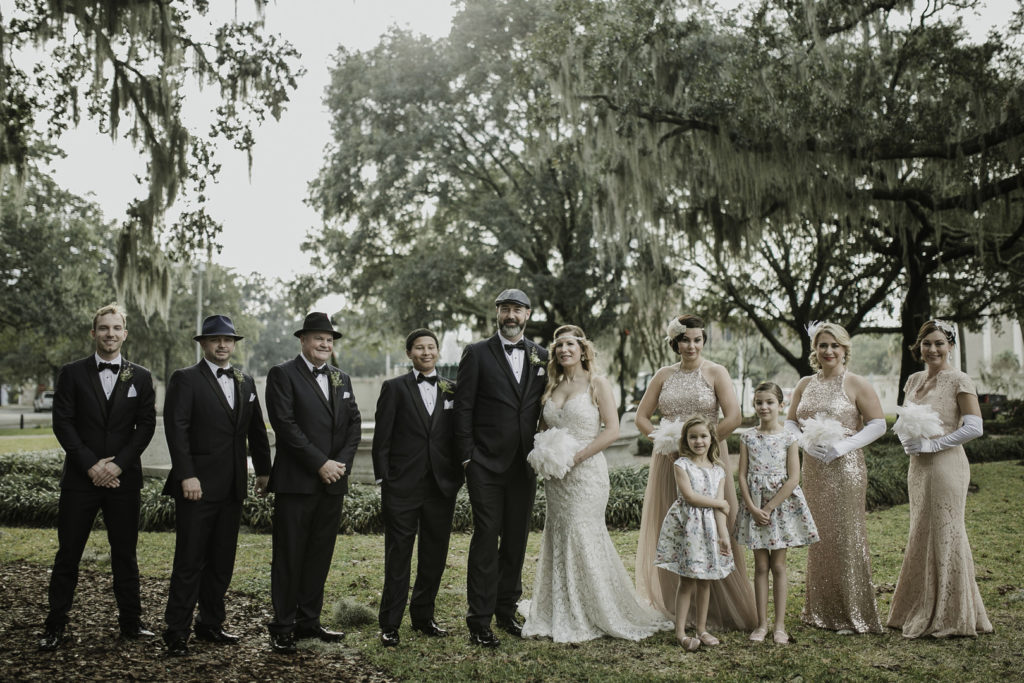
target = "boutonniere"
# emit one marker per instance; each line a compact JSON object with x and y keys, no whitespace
{"x":239,"y":377}
{"x":445,"y":386}
{"x":335,"y":379}
{"x":126,"y":374}
{"x":535,"y":359}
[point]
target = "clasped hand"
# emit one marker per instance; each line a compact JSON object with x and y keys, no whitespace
{"x":915,"y":446}
{"x":331,"y":471}
{"x":105,"y":473}
{"x":826,"y":453}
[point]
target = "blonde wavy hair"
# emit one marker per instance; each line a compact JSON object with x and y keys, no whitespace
{"x":841,"y":336}
{"x":713,"y":450}
{"x":587,"y":356}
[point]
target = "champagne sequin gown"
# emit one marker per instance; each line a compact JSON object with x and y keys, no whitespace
{"x":936,"y":594}
{"x":840,"y":595}
{"x":684,"y":394}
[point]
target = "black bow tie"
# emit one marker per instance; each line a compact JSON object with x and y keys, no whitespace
{"x":224,"y":372}
{"x":521,"y":345}
{"x":423,"y":378}
{"x":113,"y":367}
{"x":320,"y":371}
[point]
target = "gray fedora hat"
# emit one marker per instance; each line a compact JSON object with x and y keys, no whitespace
{"x":317,"y":322}
{"x":513,"y":296}
{"x":218,"y":326}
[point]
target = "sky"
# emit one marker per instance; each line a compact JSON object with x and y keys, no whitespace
{"x":265,"y":218}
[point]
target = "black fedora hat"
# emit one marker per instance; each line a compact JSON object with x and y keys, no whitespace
{"x":513,"y":296}
{"x":218,"y":326}
{"x":317,"y":322}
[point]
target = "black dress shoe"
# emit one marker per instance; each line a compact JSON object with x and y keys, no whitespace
{"x":389,"y":638}
{"x":319,"y":632}
{"x":136,"y":631}
{"x":283,"y":643}
{"x":485,"y":638}
{"x":215,"y":634}
{"x":430,"y":628}
{"x":510,"y":625}
{"x":50,"y":639}
{"x":177,"y":647}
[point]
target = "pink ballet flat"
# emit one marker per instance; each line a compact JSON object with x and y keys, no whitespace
{"x":709,"y":639}
{"x":758,"y":634}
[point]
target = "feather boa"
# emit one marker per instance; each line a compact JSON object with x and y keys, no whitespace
{"x":666,"y":437}
{"x":820,"y":430}
{"x":553,"y":453}
{"x":917,"y":421}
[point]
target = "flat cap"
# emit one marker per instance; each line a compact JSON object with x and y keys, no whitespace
{"x":513,"y":296}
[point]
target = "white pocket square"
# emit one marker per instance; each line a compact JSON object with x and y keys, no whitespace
{"x":252,"y":397}
{"x":346,"y":395}
{"x":540,"y":372}
{"x":448,"y":405}
{"x":131,"y":392}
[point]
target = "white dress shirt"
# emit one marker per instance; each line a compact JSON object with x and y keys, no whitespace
{"x":108,"y":379}
{"x":226,"y":382}
{"x":321,"y":379}
{"x":515,"y":359}
{"x":428,"y":391}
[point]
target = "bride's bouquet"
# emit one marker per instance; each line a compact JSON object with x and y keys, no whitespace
{"x":820,"y":431}
{"x":666,"y":437}
{"x":917,"y":421}
{"x":553,"y":453}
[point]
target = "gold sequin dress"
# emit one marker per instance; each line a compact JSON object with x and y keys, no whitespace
{"x":686,"y":393}
{"x":840,"y":595}
{"x":936,"y":594}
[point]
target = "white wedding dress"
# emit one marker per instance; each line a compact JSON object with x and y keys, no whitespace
{"x":581,"y":590}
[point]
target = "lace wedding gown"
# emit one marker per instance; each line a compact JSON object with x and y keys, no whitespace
{"x":581,"y":590}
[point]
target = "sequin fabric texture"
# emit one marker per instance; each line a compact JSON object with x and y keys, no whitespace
{"x":840,"y":595}
{"x":581,"y":590}
{"x":937,"y":594}
{"x":791,"y":523}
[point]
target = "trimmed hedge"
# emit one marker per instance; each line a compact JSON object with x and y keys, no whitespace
{"x":30,"y":489}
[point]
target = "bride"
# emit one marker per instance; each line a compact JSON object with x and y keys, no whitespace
{"x":581,"y":590}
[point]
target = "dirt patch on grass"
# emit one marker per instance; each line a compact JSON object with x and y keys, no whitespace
{"x":93,"y":650}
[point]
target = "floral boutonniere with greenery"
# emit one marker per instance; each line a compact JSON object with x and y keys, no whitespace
{"x":239,"y":377}
{"x":535,"y":359}
{"x":335,"y":379}
{"x":126,"y":374}
{"x":445,"y":386}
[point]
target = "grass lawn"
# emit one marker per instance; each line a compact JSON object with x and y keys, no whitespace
{"x":994,"y":525}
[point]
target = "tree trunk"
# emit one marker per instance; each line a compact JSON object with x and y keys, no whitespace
{"x":915,"y":311}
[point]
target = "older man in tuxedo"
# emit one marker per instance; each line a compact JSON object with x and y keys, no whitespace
{"x":415,"y":463}
{"x":104,"y":416}
{"x":317,"y":426}
{"x":211,"y":410}
{"x":497,"y":408}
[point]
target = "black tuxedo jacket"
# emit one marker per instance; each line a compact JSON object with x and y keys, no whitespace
{"x":89,"y":427}
{"x":408,"y":442}
{"x":310,"y":430}
{"x":495,"y":416}
{"x":207,"y":438}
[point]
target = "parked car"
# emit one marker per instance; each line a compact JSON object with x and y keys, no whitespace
{"x":991,"y":405}
{"x":44,"y":401}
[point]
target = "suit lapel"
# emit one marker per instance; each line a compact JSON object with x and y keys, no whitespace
{"x":413,"y":390}
{"x":207,"y":374}
{"x":501,"y":358}
{"x":93,"y":378}
{"x":528,"y":367}
{"x":305,"y":374}
{"x":120,"y":389}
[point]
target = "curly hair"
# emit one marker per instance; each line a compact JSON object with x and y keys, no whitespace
{"x":840,"y":334}
{"x":587,"y":356}
{"x":713,"y":449}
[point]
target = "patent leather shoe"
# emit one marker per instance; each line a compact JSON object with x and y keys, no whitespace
{"x":282,"y":643}
{"x":510,"y":625}
{"x":389,"y":638}
{"x":320,"y":633}
{"x":177,"y":647}
{"x":136,"y":631}
{"x":430,"y":628}
{"x":50,"y":640}
{"x":484,"y":638}
{"x":215,"y":634}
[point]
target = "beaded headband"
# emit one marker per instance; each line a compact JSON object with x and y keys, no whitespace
{"x":569,"y":336}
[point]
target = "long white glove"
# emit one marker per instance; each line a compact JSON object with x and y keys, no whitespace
{"x":827,"y":453}
{"x":793,"y":427}
{"x":970,"y":429}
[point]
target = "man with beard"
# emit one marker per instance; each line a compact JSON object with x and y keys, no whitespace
{"x":497,"y":407}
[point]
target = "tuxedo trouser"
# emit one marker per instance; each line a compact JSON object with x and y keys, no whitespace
{"x":502,"y":506}
{"x":76,"y":512}
{"x":204,"y":560}
{"x":430,"y":512}
{"x":305,"y":529}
